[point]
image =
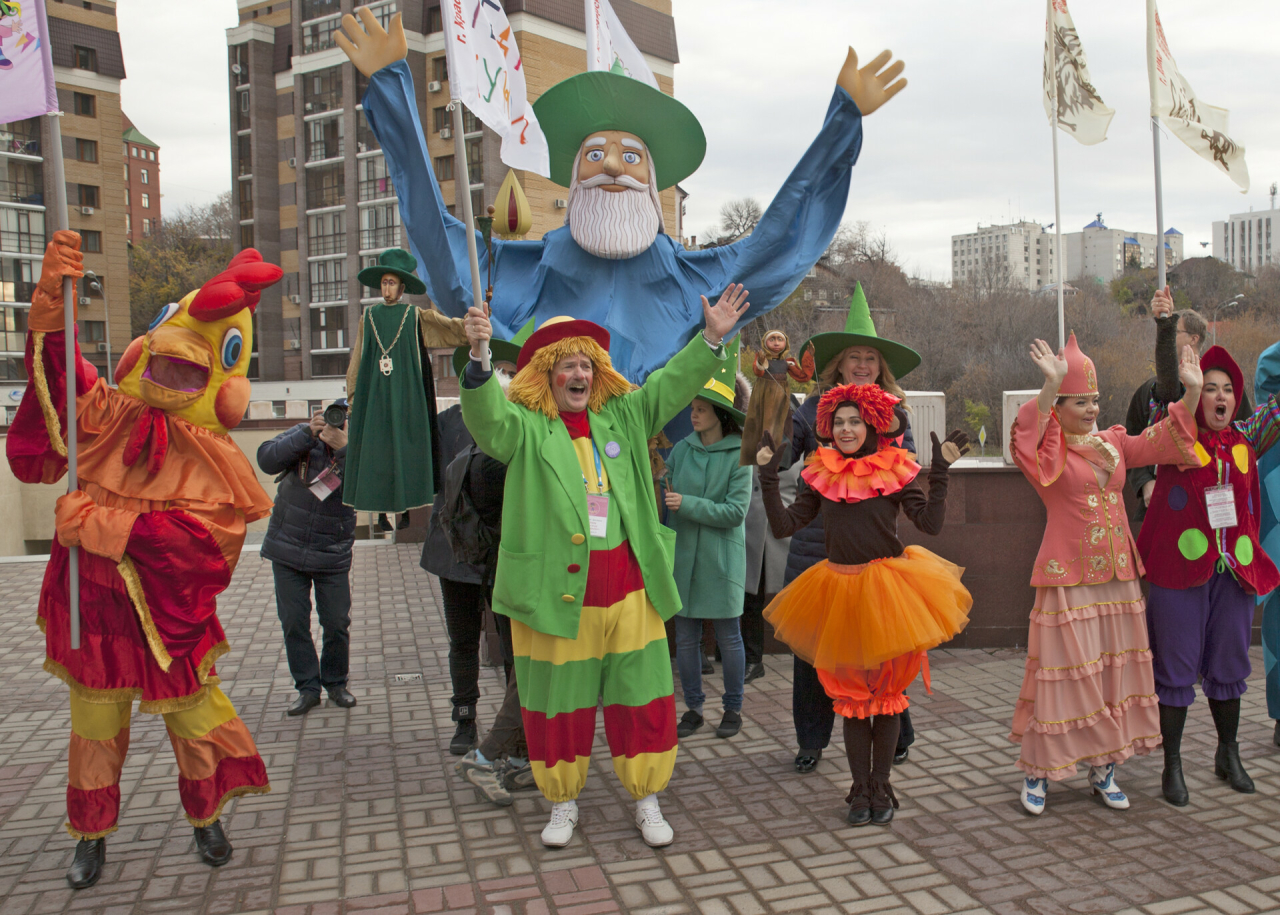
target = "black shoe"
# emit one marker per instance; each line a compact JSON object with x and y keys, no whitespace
{"x":340,"y":697}
{"x":1172,"y":785}
{"x":859,"y":813}
{"x":707,"y":666}
{"x":807,"y":760}
{"x":403,"y":522}
{"x":86,"y":866}
{"x":464,"y":738}
{"x":384,"y":524}
{"x":303,"y":704}
{"x":1227,"y":766}
{"x":212,"y":844}
{"x":882,"y":816}
{"x":730,"y":724}
{"x":900,"y":756}
{"x":883,"y":802}
{"x":756,"y":671}
{"x":689,"y":722}
{"x":1275,"y":737}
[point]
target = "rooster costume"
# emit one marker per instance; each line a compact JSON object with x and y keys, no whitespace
{"x":160,"y":516}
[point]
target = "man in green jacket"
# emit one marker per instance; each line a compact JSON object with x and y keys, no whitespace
{"x":584,"y":566}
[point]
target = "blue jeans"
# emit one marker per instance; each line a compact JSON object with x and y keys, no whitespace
{"x":689,"y":660}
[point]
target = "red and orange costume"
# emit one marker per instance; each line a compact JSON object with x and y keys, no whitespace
{"x":160,"y":518}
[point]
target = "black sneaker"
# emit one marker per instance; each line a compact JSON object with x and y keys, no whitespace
{"x":754,"y":672}
{"x":730,"y":724}
{"x":689,"y":723}
{"x":464,"y":737}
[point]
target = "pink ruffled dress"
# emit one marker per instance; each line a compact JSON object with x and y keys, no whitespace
{"x":1088,"y":693}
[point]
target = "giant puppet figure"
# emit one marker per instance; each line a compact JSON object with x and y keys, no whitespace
{"x":615,"y":142}
{"x":164,"y":496}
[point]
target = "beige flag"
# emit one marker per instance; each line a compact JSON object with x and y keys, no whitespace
{"x":1202,"y":127}
{"x":1066,"y":77}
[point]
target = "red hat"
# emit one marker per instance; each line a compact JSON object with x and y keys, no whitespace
{"x":874,"y":403}
{"x":562,"y":328}
{"x":1217,"y":358}
{"x":1082,"y":377}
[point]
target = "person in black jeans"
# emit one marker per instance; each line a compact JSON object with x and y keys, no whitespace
{"x":309,"y":543}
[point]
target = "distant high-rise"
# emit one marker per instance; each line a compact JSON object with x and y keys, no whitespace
{"x":1102,"y":253}
{"x":1244,"y":240}
{"x":1020,"y":254}
{"x":142,"y":183}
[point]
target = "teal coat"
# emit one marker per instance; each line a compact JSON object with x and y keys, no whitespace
{"x":711,"y":545}
{"x":544,"y":508}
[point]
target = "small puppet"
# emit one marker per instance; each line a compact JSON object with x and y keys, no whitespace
{"x":770,"y":406}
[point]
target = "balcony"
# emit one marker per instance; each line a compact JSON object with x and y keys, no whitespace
{"x":318,"y":35}
{"x":383,"y":237}
{"x":21,"y":242}
{"x":376,"y":189}
{"x":21,"y":137}
{"x":334,"y":291}
{"x":318,"y":245}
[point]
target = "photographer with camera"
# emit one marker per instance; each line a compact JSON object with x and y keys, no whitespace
{"x":309,"y":544}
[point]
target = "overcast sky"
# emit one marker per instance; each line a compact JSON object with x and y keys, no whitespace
{"x":966,"y":143}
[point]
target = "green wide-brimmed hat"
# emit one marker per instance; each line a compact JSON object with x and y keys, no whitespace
{"x":576,"y":107}
{"x":720,"y":389}
{"x":397,"y":261}
{"x":860,"y":330}
{"x":501,"y":350}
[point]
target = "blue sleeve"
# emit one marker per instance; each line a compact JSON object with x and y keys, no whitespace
{"x":909,"y":439}
{"x":800,"y":222}
{"x":285,"y":450}
{"x":804,"y":433}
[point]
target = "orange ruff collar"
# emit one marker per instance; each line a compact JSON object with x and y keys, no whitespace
{"x":846,"y":479}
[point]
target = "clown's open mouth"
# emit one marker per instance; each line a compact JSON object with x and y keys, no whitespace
{"x":1220,"y":411}
{"x":176,"y":374}
{"x":578,"y":388}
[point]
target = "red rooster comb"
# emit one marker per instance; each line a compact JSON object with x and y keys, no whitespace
{"x":239,"y":286}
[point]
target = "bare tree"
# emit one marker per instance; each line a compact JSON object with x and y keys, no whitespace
{"x":737,"y":218}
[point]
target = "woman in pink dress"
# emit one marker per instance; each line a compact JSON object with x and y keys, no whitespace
{"x":1088,"y":694}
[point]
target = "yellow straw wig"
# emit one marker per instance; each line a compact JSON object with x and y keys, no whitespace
{"x":531,"y":388}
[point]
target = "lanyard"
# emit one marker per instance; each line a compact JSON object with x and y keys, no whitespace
{"x":599,"y":470}
{"x":1226,"y":559}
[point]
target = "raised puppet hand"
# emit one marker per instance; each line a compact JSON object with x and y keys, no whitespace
{"x":722,"y":316}
{"x":372,"y":47}
{"x":768,"y":454}
{"x":871,"y":87}
{"x":950,"y":450}
{"x":62,"y":258}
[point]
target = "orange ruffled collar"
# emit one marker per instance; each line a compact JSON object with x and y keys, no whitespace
{"x":846,"y":479}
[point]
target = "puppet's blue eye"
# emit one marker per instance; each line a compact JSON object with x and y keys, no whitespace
{"x":595,"y":155}
{"x":232,"y":343}
{"x":631,"y":158}
{"x":164,"y":314}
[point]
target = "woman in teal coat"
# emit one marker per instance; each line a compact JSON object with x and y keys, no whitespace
{"x":707,"y":503}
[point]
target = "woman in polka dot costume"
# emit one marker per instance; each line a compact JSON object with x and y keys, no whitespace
{"x":1204,"y":563}
{"x":1088,"y":694}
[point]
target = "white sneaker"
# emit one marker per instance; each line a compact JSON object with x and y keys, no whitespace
{"x":652,"y":825}
{"x":1034,"y":794}
{"x":559,"y":829}
{"x":1103,"y":780}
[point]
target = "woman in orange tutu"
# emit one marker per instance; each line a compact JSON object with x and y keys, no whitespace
{"x":865,"y":616}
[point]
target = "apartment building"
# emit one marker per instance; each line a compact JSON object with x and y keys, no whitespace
{"x":310,"y":183}
{"x":1102,"y":253}
{"x":88,"y":68}
{"x":141,"y":183}
{"x":1021,"y":254}
{"x":1244,"y":240}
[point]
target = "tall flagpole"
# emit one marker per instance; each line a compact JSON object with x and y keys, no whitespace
{"x":462,"y":180}
{"x":1155,"y":146}
{"x":61,"y":221}
{"x":1052,"y":38}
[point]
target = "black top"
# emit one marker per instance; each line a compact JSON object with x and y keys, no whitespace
{"x":306,"y":533}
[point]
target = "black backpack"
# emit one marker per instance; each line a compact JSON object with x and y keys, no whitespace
{"x":471,"y":540}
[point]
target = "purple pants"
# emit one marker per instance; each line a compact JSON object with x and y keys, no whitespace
{"x":1200,"y":632}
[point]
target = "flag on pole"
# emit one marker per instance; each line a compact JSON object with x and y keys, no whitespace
{"x":487,"y":75}
{"x":609,"y":47}
{"x":1081,"y":112}
{"x":1202,"y":127}
{"x":26,"y":73}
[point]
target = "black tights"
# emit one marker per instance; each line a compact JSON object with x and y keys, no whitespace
{"x":870,"y":744}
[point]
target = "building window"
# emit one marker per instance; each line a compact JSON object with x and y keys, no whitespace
{"x":434,"y":23}
{"x":324,"y":139}
{"x":146,"y":179}
{"x":21,"y":181}
{"x":328,"y":280}
{"x":440,"y":118}
{"x":329,"y":328}
{"x":244,"y":156}
{"x":21,"y":137}
{"x":128,"y":224}
{"x":379,"y":226}
{"x":84,"y":105}
{"x":444,"y":168}
{"x":22,"y":231}
{"x":88,"y":195}
{"x":18,"y":278}
{"x":146,"y":228}
{"x":92,"y":240}
{"x":440,"y":69}
{"x":365,"y":139}
{"x":134,"y":151}
{"x":375,"y":183}
{"x":86,"y":150}
{"x":151,"y":154}
{"x":325,"y":187}
{"x":314,"y":9}
{"x":246,"y":199}
{"x":475,"y":160}
{"x":327,"y":365}
{"x":86,"y":59}
{"x":246,"y":235}
{"x":126,"y":197}
{"x":146,"y":201}
{"x":93,"y":331}
{"x":383,"y":12}
{"x":322,"y":90}
{"x":326,"y":234}
{"x":242,"y":109}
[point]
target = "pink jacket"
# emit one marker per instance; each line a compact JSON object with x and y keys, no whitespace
{"x":1087,"y":540}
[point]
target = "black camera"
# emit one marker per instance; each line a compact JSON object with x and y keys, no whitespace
{"x":336,"y":414}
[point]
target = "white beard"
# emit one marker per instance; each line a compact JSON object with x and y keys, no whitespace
{"x":612,"y":224}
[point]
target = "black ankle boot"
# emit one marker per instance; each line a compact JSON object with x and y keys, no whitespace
{"x":213,"y":844}
{"x":1172,"y":784}
{"x":86,"y":866}
{"x":1226,"y":762}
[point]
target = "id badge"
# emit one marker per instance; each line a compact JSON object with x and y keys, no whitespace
{"x":326,"y":484}
{"x":1221,"y":504}
{"x":598,"y":514}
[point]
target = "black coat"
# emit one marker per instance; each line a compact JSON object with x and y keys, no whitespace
{"x":306,"y":533}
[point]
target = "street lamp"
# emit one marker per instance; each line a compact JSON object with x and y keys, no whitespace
{"x":1235,"y":300}
{"x":96,"y":285}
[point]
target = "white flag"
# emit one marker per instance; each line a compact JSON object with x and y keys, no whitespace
{"x":1202,"y":127}
{"x":609,"y":47}
{"x":1066,"y":76}
{"x":26,"y":65}
{"x":487,"y":75}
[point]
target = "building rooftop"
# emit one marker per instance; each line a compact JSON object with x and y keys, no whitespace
{"x":366,"y":807}
{"x":1171,"y":231}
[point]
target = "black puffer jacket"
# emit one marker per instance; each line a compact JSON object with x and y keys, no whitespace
{"x":306,"y":533}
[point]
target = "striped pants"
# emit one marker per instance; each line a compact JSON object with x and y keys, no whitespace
{"x":217,"y":760}
{"x":620,"y":656}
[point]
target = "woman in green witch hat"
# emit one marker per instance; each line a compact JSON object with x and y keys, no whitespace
{"x":707,"y":501}
{"x":856,"y":355}
{"x":393,"y":450}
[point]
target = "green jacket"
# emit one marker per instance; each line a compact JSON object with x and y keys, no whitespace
{"x":544,"y":509}
{"x":711,"y":544}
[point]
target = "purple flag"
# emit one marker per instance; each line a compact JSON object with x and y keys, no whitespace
{"x":26,"y":63}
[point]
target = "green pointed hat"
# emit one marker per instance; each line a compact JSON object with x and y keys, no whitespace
{"x":720,"y":389}
{"x":599,"y":100}
{"x":397,"y":261}
{"x":860,"y":330}
{"x":501,"y":350}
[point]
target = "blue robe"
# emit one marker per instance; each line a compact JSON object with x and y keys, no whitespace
{"x":649,"y":303}
{"x":1267,"y":382}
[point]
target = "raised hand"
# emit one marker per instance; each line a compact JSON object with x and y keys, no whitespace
{"x":950,"y":450}
{"x":1189,"y":371}
{"x":722,"y":316}
{"x":1054,"y":366}
{"x":372,"y":47}
{"x":479,"y":330}
{"x":1162,"y":303}
{"x":871,"y":87}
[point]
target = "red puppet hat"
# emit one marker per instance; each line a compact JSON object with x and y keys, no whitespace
{"x":1082,"y":378}
{"x":556,"y":329}
{"x":873,"y":402}
{"x":1217,"y":358}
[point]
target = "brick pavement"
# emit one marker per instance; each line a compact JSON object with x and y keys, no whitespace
{"x":366,"y":814}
